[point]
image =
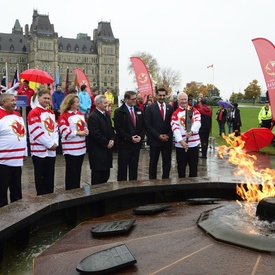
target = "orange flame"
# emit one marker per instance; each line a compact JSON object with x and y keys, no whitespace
{"x":259,"y":183}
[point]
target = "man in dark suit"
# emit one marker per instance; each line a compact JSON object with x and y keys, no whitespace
{"x":130,"y":129}
{"x":100,"y":141}
{"x":159,"y":134}
{"x":236,"y":118}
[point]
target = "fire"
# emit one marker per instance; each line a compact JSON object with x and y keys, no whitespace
{"x":259,"y":183}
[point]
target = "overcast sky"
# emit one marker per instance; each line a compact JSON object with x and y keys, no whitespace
{"x":184,"y":35}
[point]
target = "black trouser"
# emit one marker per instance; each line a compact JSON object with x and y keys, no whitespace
{"x":73,"y":171}
{"x":204,"y":137}
{"x":190,"y":157}
{"x":99,"y":176}
{"x":266,"y":123}
{"x":44,"y":174}
{"x":166,"y":151}
{"x":128,"y":158}
{"x":10,"y":179}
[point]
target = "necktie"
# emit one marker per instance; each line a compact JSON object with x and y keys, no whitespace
{"x":162,"y":110}
{"x":133,"y":116}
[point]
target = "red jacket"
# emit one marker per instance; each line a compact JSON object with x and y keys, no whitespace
{"x":28,"y":92}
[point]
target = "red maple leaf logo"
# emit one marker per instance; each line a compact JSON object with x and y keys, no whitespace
{"x":80,"y":124}
{"x":182,"y":121}
{"x":49,"y":125}
{"x":18,"y":129}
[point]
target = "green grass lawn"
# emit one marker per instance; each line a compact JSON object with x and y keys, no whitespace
{"x":249,"y":117}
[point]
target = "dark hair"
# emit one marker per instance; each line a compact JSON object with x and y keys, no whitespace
{"x":190,"y":96}
{"x":26,"y":81}
{"x":72,"y":91}
{"x":83,"y":87}
{"x":58,"y":84}
{"x":203,"y":101}
{"x":128,"y":94}
{"x":161,"y":90}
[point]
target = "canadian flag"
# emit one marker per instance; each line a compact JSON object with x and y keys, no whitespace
{"x":210,"y":66}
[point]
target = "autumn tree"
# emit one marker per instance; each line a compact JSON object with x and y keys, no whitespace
{"x":168,"y":79}
{"x":253,"y":90}
{"x":161,"y":77}
{"x":150,"y":62}
{"x":195,"y":88}
{"x":236,"y":97}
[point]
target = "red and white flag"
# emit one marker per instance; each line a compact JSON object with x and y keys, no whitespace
{"x":210,"y":66}
{"x":143,"y":78}
{"x":266,"y":54}
{"x":82,"y":79}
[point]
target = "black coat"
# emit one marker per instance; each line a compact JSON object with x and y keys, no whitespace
{"x":237,"y":123}
{"x":224,"y":115}
{"x":237,"y":118}
{"x":125,"y":129}
{"x":155,"y":125}
{"x":100,"y":133}
{"x":206,"y":118}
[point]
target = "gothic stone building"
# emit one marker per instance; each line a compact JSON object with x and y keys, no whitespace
{"x":40,"y":47}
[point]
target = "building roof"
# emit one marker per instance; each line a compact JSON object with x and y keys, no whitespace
{"x":10,"y":42}
{"x":17,"y":29}
{"x":16,"y":41}
{"x":104,"y":31}
{"x":41,"y":24}
{"x":76,"y":45}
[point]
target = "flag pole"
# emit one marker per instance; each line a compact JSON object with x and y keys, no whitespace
{"x":213,"y":76}
{"x":212,"y":66}
{"x":7,"y":78}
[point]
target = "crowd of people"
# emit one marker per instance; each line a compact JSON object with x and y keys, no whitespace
{"x":79,"y":123}
{"x":232,"y":117}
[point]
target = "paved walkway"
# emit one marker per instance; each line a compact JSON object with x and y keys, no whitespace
{"x":211,"y":167}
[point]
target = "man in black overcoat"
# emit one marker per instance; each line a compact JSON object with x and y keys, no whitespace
{"x":159,"y":134}
{"x":130,"y":130}
{"x":237,"y":122}
{"x":100,"y":141}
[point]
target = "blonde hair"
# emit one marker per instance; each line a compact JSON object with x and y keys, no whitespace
{"x":36,"y":91}
{"x":67,"y":103}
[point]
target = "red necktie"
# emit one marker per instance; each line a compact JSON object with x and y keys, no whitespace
{"x":133,"y":116}
{"x":162,"y":110}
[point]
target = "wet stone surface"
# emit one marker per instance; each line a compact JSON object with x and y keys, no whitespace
{"x":112,"y":228}
{"x":182,"y":245}
{"x":169,"y":242}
